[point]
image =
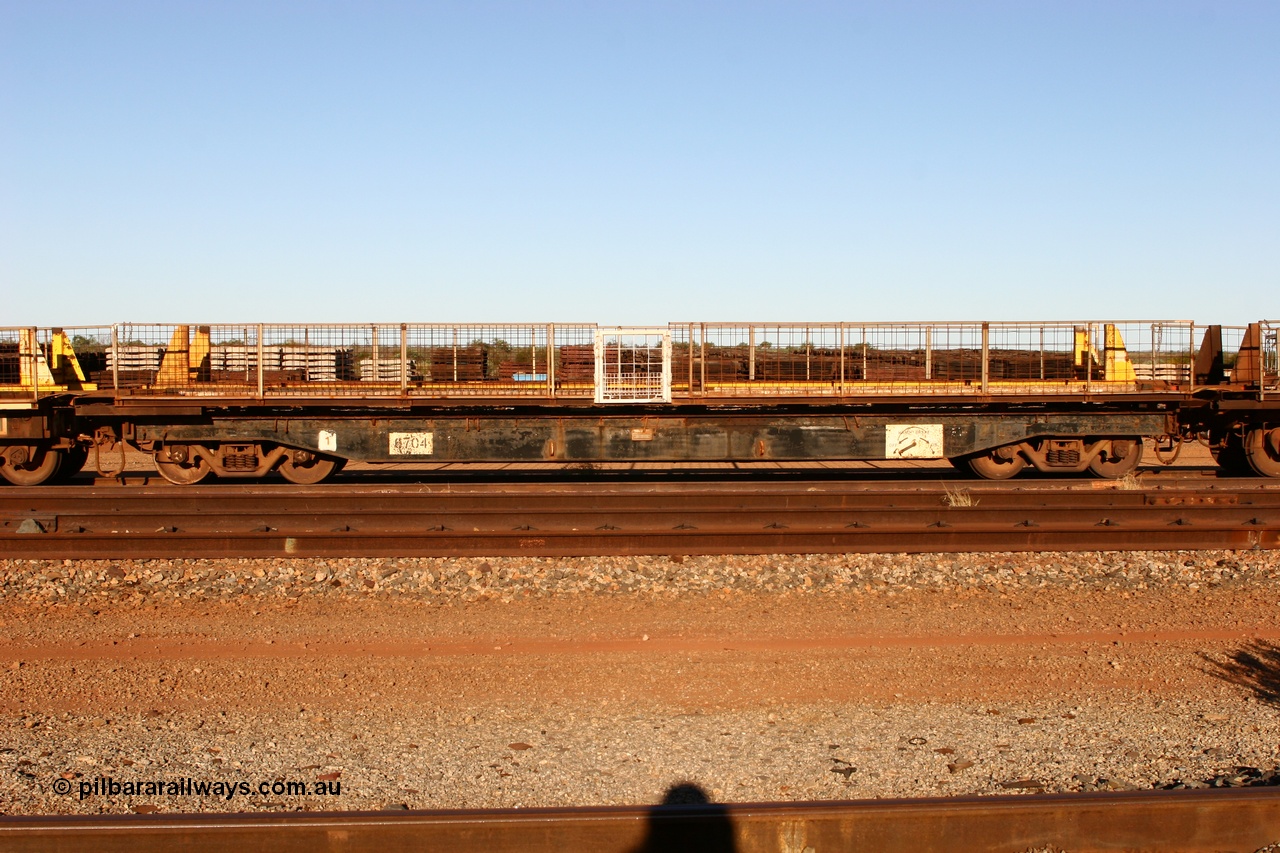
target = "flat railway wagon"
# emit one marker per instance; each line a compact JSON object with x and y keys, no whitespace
{"x":247,"y":400}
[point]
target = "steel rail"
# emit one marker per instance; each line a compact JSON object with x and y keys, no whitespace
{"x":591,"y":519}
{"x":708,"y":475}
{"x":1223,"y":821}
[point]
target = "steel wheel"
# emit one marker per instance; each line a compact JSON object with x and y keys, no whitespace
{"x":306,"y":468}
{"x":993,"y":466}
{"x":180,"y":465}
{"x":1262,"y":449}
{"x":29,"y":466}
{"x":72,"y":462}
{"x":1231,"y":459}
{"x":1120,"y":457}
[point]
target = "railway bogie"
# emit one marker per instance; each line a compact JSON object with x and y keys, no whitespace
{"x":997,"y":399}
{"x":189,"y":462}
{"x":1106,"y":457}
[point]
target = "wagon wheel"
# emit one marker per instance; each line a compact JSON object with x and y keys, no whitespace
{"x":72,"y":461}
{"x":181,"y":465}
{"x":29,"y":466}
{"x":1262,"y":449}
{"x":992,"y":465}
{"x":306,"y":468}
{"x":1231,"y":459}
{"x":1120,"y":457}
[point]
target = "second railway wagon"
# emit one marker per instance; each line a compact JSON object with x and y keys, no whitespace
{"x":247,"y":400}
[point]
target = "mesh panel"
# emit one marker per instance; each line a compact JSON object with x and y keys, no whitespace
{"x":543,"y":361}
{"x":373,"y":360}
{"x":896,"y":358}
{"x":632,"y":366}
{"x":1232,"y":340}
{"x":37,"y":361}
{"x":1271,"y":350}
{"x":16,"y":365}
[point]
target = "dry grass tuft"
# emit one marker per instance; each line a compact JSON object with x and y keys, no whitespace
{"x":1129,"y":483}
{"x":957,"y":497}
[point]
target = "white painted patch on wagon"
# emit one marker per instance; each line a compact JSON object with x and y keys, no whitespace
{"x":913,"y":441}
{"x":328,"y":441}
{"x":412,"y":444}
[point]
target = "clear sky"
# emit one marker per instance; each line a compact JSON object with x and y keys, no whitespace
{"x":638,"y":162}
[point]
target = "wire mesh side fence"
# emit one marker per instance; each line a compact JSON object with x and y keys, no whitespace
{"x":844,"y":359}
{"x":1256,"y":359}
{"x":545,"y":361}
{"x":1271,"y":353}
{"x":19,"y":370}
{"x":36,"y":361}
{"x":355,"y":360}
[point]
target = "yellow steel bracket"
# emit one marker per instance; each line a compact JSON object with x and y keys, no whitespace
{"x":186,"y":359}
{"x":58,"y":370}
{"x":1116,"y":364}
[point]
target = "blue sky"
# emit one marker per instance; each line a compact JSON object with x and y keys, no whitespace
{"x":638,"y":162}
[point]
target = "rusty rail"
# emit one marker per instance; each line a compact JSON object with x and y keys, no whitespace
{"x":1223,"y":821}
{"x":627,"y":518}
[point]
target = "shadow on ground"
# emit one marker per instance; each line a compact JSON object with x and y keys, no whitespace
{"x":1255,"y":667}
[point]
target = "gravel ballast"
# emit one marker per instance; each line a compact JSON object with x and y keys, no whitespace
{"x":456,"y":683}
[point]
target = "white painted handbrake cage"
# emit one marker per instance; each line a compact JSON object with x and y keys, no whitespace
{"x":633,"y":365}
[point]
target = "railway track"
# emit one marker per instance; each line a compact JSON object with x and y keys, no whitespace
{"x":626,"y":518}
{"x":1245,"y":820}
